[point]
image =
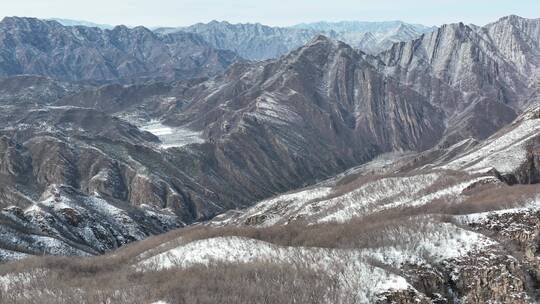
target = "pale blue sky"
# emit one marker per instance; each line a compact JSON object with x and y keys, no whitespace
{"x":271,"y":12}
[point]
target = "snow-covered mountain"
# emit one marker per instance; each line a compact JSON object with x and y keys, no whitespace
{"x":362,"y":26}
{"x":326,"y":175}
{"x":258,"y":42}
{"x":370,"y":37}
{"x":156,"y":143}
{"x":444,"y":225}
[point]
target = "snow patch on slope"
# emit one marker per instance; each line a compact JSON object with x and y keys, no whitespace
{"x":354,"y":269}
{"x":484,"y":217}
{"x":271,"y":108}
{"x":426,"y":243}
{"x":326,"y":204}
{"x":504,"y":153}
{"x":275,"y":209}
{"x":354,"y":274}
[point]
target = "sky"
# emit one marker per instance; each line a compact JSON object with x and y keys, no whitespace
{"x":271,"y":12}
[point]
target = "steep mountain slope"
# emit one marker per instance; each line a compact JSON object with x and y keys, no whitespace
{"x":342,"y":110}
{"x":510,"y":156}
{"x":390,"y":231}
{"x":478,"y":80}
{"x":469,"y":186}
{"x":518,"y":40}
{"x":258,"y":42}
{"x":47,"y":48}
{"x":219,"y":144}
{"x":195,"y":148}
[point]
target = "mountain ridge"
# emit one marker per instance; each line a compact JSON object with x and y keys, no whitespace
{"x":257,"y":41}
{"x":33,"y":46}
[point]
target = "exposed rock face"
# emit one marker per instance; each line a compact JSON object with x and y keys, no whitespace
{"x":505,"y":270}
{"x":258,"y":42}
{"x":47,"y":48}
{"x":342,"y":109}
{"x":66,"y":221}
{"x":484,"y":278}
{"x":472,"y":73}
{"x":517,"y":39}
{"x":263,"y":128}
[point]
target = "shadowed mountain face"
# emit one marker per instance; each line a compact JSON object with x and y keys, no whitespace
{"x":343,"y":113}
{"x":165,"y":154}
{"x":47,"y":48}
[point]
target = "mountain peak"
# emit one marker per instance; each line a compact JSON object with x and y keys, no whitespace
{"x":320,"y":39}
{"x":511,"y":17}
{"x":14,"y":20}
{"x":515,"y":20}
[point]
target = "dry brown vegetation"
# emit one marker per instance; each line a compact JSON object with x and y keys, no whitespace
{"x":112,"y":278}
{"x":85,"y":281}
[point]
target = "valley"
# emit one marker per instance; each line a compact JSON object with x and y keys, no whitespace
{"x":241,"y":163}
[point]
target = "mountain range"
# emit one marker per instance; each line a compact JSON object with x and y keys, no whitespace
{"x":90,"y":54}
{"x":71,"y":22}
{"x":258,"y":42}
{"x":412,"y":170}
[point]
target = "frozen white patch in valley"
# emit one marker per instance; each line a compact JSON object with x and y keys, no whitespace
{"x":172,"y":136}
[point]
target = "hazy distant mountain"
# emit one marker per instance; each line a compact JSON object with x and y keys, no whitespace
{"x":361,"y":26}
{"x":48,"y":48}
{"x":71,"y":22}
{"x":250,"y":40}
{"x":257,"y":41}
{"x":372,"y":37}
